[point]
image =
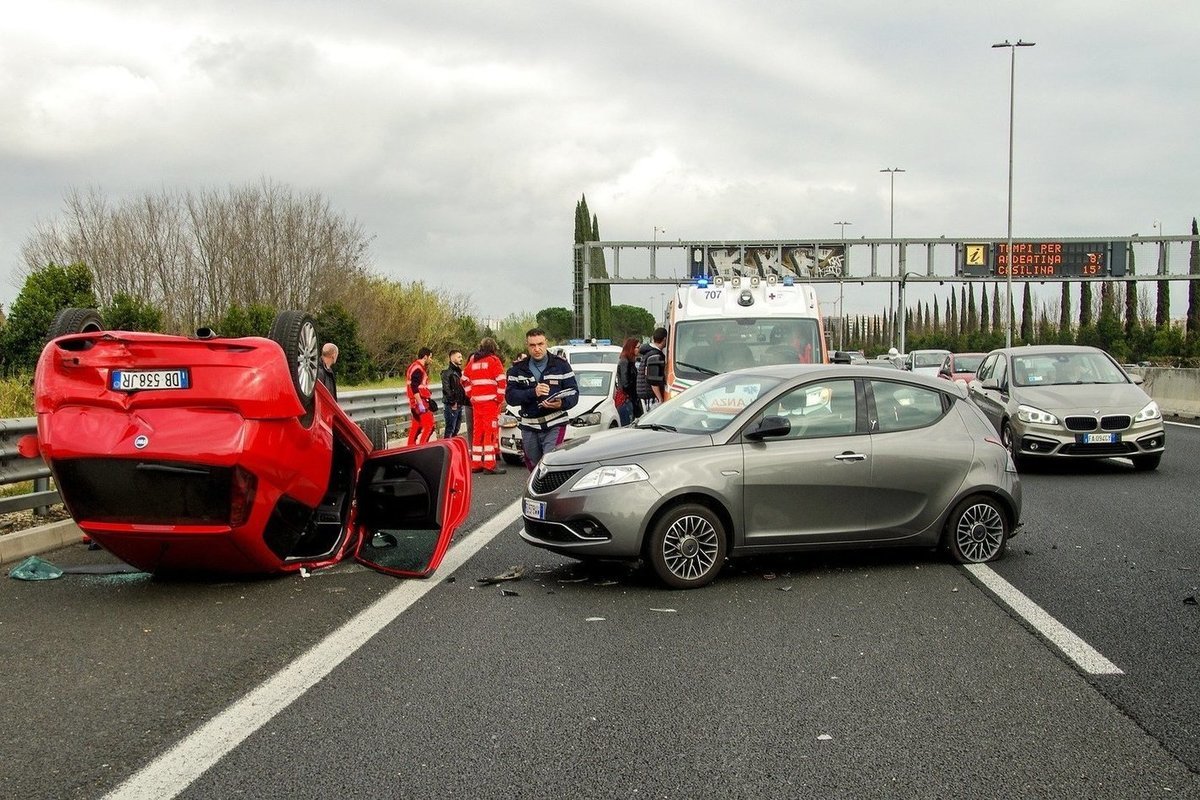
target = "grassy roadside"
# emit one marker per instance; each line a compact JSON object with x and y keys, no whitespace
{"x":16,"y":397}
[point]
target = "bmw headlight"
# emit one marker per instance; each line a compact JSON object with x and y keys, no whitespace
{"x":583,"y":420}
{"x":1149,"y":412}
{"x":1036,"y":416}
{"x":611,"y":476}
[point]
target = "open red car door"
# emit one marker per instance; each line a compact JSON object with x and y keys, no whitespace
{"x":410,"y":502}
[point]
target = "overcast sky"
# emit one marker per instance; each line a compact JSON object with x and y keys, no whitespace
{"x":461,"y":135}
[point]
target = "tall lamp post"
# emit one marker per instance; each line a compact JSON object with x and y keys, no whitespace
{"x":1012,"y":82}
{"x":654,"y":250}
{"x":841,"y":289}
{"x":892,"y":251}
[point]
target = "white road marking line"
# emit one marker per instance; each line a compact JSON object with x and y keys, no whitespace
{"x":174,"y":771}
{"x":1083,"y":654}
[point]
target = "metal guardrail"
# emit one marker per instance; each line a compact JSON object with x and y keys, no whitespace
{"x":389,"y":404}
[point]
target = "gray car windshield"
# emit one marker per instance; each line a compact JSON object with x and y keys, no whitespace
{"x":1064,"y":369}
{"x":709,"y":406}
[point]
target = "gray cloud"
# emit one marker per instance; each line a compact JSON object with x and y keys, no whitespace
{"x":462,"y":134}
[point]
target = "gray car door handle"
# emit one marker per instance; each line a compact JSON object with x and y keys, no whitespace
{"x":851,"y":457}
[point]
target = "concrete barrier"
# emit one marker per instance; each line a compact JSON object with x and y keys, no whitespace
{"x":1177,"y":391}
{"x":35,"y":541}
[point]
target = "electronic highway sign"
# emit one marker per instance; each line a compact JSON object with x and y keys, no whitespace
{"x":1042,"y":259}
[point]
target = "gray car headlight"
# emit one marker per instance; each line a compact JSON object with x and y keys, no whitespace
{"x":611,"y":476}
{"x":1149,"y":412}
{"x":590,"y":418}
{"x":1035,"y":416}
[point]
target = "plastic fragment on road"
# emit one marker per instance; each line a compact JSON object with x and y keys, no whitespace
{"x":664,"y":610}
{"x":513,"y":574}
{"x":824,"y":737}
{"x":594,"y":619}
{"x":35,"y":569}
{"x":1190,"y":600}
{"x":508,"y":593}
{"x":303,"y":572}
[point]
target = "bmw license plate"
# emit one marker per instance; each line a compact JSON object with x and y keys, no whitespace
{"x":136,"y":380}
{"x":535,"y":508}
{"x":1098,"y":438}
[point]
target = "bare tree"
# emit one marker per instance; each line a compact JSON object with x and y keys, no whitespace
{"x":195,"y":254}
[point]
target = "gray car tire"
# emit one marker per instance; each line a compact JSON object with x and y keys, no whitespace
{"x":687,"y":546}
{"x":296,"y":333}
{"x":977,"y":530}
{"x":1010,"y":442}
{"x":1146,"y":463}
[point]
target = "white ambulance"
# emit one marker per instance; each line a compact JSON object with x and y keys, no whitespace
{"x":721,"y":324}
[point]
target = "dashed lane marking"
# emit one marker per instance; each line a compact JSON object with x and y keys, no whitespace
{"x":1083,"y":654}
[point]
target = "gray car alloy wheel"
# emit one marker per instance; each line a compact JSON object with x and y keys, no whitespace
{"x":687,"y":548}
{"x":978,"y":532}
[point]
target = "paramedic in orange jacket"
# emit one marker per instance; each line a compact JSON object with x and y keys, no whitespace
{"x":485,"y":379}
{"x":420,"y":399}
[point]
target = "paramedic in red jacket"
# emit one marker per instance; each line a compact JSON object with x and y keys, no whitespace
{"x":485,"y":380}
{"x":420,"y":399}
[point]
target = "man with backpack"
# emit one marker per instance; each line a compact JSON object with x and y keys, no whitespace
{"x":652,"y":370}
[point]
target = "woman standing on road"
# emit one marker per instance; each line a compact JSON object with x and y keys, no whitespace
{"x":631,"y":409}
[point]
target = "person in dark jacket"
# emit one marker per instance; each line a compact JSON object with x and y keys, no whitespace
{"x":631,"y":409}
{"x":544,"y":388}
{"x":454,"y":397}
{"x":652,"y":370}
{"x":329,"y":355}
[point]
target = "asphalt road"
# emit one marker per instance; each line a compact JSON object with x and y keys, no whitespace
{"x":866,"y":675}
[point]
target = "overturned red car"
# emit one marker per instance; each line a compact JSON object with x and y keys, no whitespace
{"x":215,"y":454}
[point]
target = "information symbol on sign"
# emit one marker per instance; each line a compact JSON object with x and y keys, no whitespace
{"x":976,"y":254}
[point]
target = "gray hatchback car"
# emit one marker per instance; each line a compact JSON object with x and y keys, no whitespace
{"x":1068,"y":401}
{"x":779,"y":459}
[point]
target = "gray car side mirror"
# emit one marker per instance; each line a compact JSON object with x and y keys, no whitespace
{"x":769,"y":427}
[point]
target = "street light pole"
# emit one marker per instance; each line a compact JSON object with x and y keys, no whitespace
{"x":654,"y":249}
{"x":841,"y":290}
{"x":1008,"y":254}
{"x":892,"y":252}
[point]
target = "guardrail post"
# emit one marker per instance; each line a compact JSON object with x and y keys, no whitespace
{"x":41,"y":485}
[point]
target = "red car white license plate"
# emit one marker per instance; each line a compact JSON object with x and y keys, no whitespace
{"x":136,"y":380}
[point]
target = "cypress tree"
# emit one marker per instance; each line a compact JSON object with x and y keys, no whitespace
{"x":985,"y":323}
{"x":601,"y":293}
{"x":1027,"y":315}
{"x":1064,"y":315}
{"x":1085,"y":304}
{"x":972,"y":314}
{"x":996,"y":325}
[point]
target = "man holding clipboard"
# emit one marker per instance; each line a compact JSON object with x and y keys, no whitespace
{"x":544,"y":387}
